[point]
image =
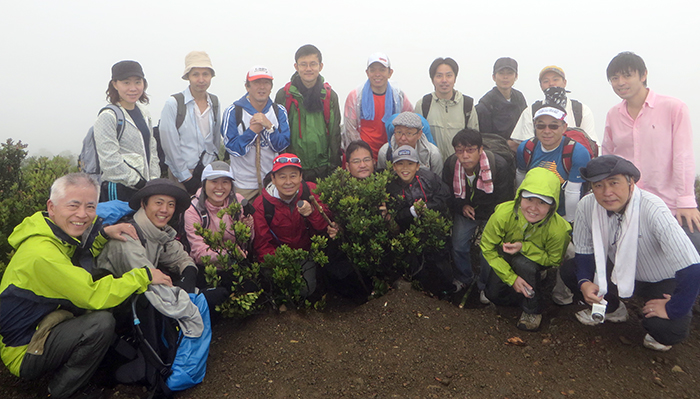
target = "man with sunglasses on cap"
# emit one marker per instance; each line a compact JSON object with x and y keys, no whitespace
{"x":255,"y":130}
{"x":286,"y":213}
{"x":628,"y":243}
{"x":578,"y":114}
{"x":553,"y":151}
{"x":192,"y":140}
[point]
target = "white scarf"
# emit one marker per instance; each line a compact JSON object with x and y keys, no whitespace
{"x":625,"y":268}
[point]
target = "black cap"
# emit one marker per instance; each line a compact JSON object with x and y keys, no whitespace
{"x":126,"y":69}
{"x":163,"y":187}
{"x":605,"y":166}
{"x":505,"y":62}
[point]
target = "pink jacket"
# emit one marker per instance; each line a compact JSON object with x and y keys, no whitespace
{"x":198,"y":248}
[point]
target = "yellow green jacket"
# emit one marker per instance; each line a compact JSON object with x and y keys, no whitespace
{"x":41,"y":278}
{"x":543,"y":242}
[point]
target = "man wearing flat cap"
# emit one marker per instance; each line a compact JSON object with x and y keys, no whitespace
{"x":408,"y":130}
{"x":189,"y":124}
{"x":628,"y":243}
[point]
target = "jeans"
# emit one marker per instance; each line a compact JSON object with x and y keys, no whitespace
{"x":463,"y":231}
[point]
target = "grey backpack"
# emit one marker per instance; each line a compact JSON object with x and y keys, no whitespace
{"x":88,"y":160}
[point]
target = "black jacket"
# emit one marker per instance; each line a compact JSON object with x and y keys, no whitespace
{"x":425,"y":186}
{"x":483,"y":204}
{"x":498,"y":115}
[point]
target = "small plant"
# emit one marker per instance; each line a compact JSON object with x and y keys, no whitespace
{"x":231,"y":266}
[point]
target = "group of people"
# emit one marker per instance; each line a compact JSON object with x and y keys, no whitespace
{"x":518,"y":173}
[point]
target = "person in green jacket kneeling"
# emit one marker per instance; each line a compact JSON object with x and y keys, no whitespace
{"x":522,"y":238}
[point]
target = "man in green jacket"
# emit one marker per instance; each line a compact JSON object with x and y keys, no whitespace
{"x":314,"y":115}
{"x":48,"y":287}
{"x":522,"y":238}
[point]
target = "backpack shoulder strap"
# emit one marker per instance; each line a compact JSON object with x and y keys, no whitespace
{"x":567,"y":153}
{"x":426,"y":103}
{"x":277,"y":111}
{"x":389,"y":154}
{"x":577,"y":107}
{"x":238,"y":113}
{"x":181,"y":109}
{"x":121,"y":119}
{"x":529,"y":148}
{"x":269,"y":211}
{"x":139,"y":232}
{"x":305,"y":191}
{"x":215,"y":107}
{"x":468,"y":105}
{"x":288,"y":98}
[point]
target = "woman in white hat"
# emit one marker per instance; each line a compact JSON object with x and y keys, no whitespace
{"x":215,"y":194}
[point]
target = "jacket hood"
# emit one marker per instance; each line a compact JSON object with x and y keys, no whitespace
{"x":543,"y":182}
{"x":39,"y":224}
{"x":248,"y":107}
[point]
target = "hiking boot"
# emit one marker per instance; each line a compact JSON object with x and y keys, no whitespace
{"x":620,"y":315}
{"x":529,"y":322}
{"x":483,"y":299}
{"x":651,"y":343}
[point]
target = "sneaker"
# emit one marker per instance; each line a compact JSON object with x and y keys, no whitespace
{"x":620,"y":315}
{"x":651,"y":343}
{"x":483,"y":299}
{"x":529,"y":322}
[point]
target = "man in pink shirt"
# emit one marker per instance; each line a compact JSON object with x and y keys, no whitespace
{"x":653,"y":131}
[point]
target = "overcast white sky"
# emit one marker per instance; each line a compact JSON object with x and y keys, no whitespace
{"x":57,"y":55}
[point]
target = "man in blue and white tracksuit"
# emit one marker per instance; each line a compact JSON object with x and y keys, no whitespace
{"x":260,"y":135}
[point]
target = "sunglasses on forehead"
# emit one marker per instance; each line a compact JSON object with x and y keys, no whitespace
{"x":287,"y":160}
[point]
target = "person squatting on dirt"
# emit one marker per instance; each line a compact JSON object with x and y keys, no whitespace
{"x":255,"y":130}
{"x":314,"y":115}
{"x":408,"y":130}
{"x":628,"y":243}
{"x":418,"y":184}
{"x":127,"y":163}
{"x":48,"y":288}
{"x":479,"y":180}
{"x":195,"y":143}
{"x":156,"y":247}
{"x":216,"y":193}
{"x":285,"y":213}
{"x":522,"y":238}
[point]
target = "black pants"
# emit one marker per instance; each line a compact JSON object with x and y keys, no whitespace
{"x":74,"y":350}
{"x":502,"y":294}
{"x":667,"y":332}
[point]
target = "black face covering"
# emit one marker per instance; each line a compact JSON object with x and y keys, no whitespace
{"x":312,"y":95}
{"x":555,"y":96}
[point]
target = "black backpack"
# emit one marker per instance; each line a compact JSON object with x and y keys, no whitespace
{"x":468,"y":105}
{"x":179,"y":120}
{"x":88,"y":160}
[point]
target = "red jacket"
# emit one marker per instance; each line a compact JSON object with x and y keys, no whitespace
{"x":288,"y":226}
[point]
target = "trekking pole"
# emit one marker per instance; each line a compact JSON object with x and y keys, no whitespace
{"x":257,"y":164}
{"x":320,"y":210}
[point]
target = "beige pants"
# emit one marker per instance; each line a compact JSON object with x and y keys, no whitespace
{"x":248,"y":194}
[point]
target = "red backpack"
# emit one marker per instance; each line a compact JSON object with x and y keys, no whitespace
{"x":571,"y":137}
{"x":289,"y":100}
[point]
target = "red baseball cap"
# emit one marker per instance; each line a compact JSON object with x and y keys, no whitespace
{"x":286,"y":159}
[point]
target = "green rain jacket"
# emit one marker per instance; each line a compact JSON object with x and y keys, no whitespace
{"x":42,"y":278}
{"x":544,"y":242}
{"x":317,"y":145}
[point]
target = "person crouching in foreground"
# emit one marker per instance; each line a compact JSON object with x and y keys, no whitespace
{"x":522,"y":238}
{"x":631,"y":237}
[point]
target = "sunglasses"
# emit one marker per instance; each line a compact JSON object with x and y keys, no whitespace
{"x":551,"y":126}
{"x":287,"y":160}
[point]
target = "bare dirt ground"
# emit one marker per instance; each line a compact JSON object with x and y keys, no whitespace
{"x":409,"y":345}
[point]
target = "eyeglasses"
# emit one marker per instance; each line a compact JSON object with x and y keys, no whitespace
{"x":469,"y":150}
{"x":287,"y":160}
{"x":551,"y":126}
{"x":357,"y":161}
{"x":305,"y":65}
{"x":407,"y":134}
